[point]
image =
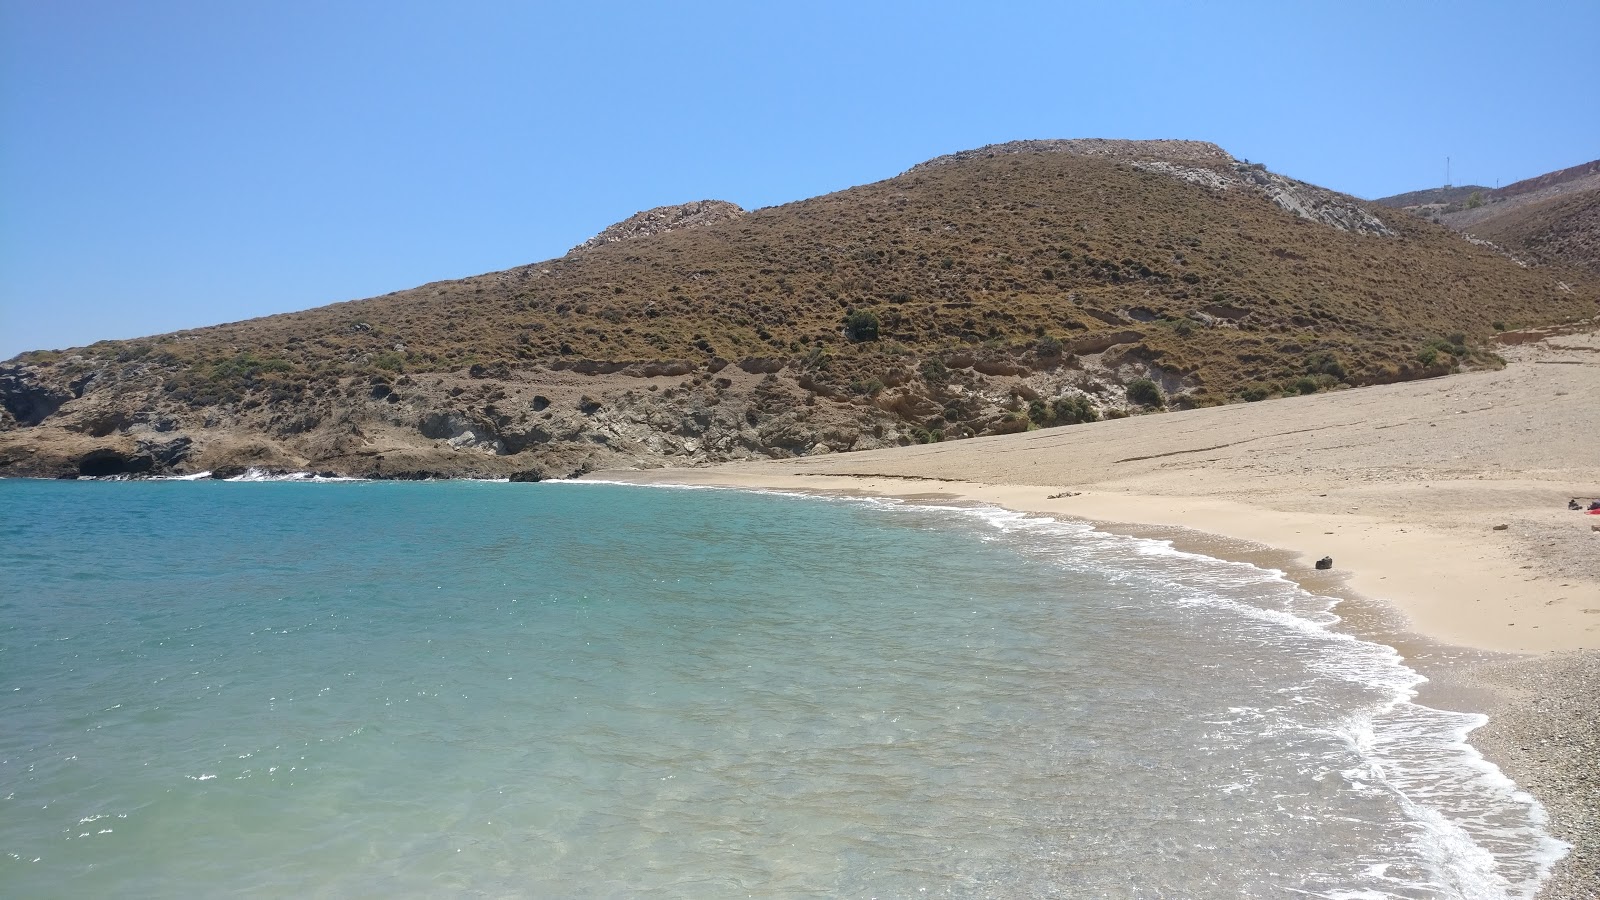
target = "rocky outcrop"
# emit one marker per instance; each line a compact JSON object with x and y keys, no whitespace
{"x":26,"y":399}
{"x":1307,"y":201}
{"x":551,"y":422}
{"x":663,"y":219}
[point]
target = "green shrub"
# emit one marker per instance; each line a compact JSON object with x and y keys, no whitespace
{"x":1323,"y":362}
{"x":1253,"y":393}
{"x":389,"y":360}
{"x":1183,"y":328}
{"x":861,"y":325}
{"x":1144,"y":392}
{"x":1305,"y":384}
{"x":1434,"y":350}
{"x":1072,"y":410}
{"x":934,"y":371}
{"x":247,"y":367}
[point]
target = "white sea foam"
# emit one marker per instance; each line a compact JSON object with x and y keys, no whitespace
{"x":1476,"y":834}
{"x":254,"y":474}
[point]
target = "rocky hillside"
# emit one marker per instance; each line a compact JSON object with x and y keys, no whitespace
{"x":1031,"y":284}
{"x":1563,"y":229}
{"x":1551,"y":219}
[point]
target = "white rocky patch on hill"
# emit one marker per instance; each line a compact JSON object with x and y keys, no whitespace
{"x":1306,"y":201}
{"x":663,"y":219}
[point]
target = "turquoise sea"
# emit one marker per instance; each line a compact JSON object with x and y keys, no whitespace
{"x":361,"y":689}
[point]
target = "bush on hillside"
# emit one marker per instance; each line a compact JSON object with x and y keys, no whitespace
{"x":1254,"y":393}
{"x":1074,"y":409}
{"x":1144,"y":392}
{"x":861,"y":325}
{"x":1324,"y":362}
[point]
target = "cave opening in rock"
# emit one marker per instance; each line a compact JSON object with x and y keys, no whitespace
{"x":100,"y":463}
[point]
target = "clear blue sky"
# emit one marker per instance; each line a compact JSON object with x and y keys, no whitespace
{"x":167,"y":165}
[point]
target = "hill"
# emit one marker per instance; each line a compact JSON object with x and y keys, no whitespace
{"x":1561,"y":229}
{"x":1548,"y":219}
{"x":1018,"y":285}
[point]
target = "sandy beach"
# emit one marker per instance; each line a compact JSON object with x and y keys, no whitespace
{"x":1443,"y":503}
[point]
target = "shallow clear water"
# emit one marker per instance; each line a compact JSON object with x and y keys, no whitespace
{"x":382,"y":689}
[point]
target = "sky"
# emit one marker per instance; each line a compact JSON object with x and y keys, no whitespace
{"x":167,"y":165}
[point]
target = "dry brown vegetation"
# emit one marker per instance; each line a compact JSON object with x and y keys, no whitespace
{"x":1557,"y":230}
{"x":1029,"y":257}
{"x":1003,"y":251}
{"x":1551,"y":219}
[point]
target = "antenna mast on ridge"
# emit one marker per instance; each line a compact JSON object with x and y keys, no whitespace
{"x":1447,"y":171}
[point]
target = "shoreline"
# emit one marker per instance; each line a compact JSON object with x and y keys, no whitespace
{"x":1442,"y":502}
{"x":1437,"y":580}
{"x":1541,"y":726}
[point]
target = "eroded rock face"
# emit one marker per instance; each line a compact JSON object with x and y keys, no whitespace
{"x":548,"y":423}
{"x":26,"y":399}
{"x":663,"y":219}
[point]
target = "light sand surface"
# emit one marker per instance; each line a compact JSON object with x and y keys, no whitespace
{"x":1401,"y":484}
